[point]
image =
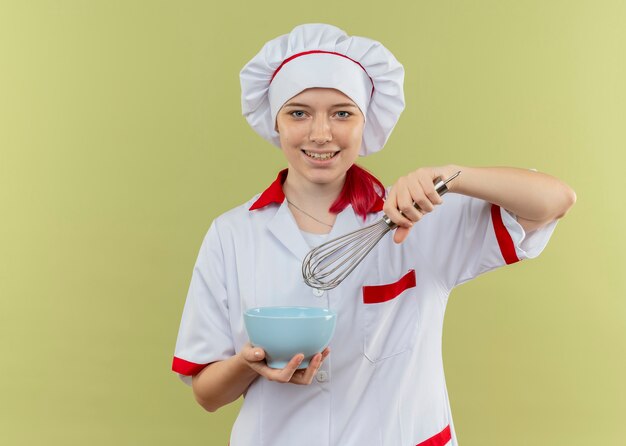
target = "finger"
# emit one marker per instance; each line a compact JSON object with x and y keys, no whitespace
{"x":306,"y":376}
{"x":406,"y":205}
{"x":419,"y":197}
{"x":430,"y":192}
{"x":401,"y":234}
{"x":390,"y":209}
{"x":253,"y":354}
{"x":285,"y":374}
{"x":396,"y":216}
{"x":325,"y":353}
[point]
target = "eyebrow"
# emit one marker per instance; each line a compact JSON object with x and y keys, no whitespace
{"x":297,"y":104}
{"x":346,"y":104}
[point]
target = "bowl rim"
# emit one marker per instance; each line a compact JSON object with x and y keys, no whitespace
{"x":328,"y":312}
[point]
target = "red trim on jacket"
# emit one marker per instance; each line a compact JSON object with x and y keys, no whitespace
{"x":507,"y":247}
{"x":438,"y":440}
{"x":274,"y":194}
{"x":375,"y":294}
{"x":186,"y":368}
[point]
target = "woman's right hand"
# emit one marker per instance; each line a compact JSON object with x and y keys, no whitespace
{"x":254,"y":357}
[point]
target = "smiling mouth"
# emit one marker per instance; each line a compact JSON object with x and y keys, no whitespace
{"x":320,"y":156}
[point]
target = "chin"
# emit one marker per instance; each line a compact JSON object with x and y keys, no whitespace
{"x":325,"y":177}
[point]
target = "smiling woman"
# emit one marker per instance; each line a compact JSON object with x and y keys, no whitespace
{"x":325,"y":98}
{"x":320,"y":134}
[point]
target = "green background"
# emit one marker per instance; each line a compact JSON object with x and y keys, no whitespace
{"x":121,"y":138}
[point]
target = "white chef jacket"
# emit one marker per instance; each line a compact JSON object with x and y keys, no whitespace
{"x":383,"y":383}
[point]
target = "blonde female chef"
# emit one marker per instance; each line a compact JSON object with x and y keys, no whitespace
{"x":325,"y":98}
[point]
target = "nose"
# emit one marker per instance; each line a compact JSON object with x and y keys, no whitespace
{"x":320,"y":131}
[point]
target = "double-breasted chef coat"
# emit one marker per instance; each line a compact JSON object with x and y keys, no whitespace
{"x":383,"y":383}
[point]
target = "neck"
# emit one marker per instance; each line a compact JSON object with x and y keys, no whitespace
{"x":311,"y":202}
{"x":316,"y":197}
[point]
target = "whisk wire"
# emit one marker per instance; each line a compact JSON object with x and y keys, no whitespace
{"x":331,"y":257}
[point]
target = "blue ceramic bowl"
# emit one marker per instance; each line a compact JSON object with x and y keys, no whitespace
{"x":283,"y":332}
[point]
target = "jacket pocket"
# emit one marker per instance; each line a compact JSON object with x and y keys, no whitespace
{"x":375,"y":294}
{"x":390,"y":315}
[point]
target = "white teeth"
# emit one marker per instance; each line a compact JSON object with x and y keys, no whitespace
{"x":320,"y":156}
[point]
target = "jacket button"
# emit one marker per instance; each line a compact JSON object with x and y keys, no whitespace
{"x":317,"y":292}
{"x":321,"y":376}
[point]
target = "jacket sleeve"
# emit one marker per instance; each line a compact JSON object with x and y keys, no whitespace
{"x":204,"y":335}
{"x":470,"y":237}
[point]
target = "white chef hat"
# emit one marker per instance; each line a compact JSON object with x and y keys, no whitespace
{"x":318,"y":55}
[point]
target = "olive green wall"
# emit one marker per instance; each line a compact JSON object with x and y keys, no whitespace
{"x":121,"y":139}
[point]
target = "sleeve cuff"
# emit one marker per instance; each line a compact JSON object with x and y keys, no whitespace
{"x":526,"y":245}
{"x":186,"y":368}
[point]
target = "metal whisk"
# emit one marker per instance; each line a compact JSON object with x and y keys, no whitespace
{"x":330,"y":263}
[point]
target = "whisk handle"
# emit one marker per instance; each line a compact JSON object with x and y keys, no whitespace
{"x":440,"y":188}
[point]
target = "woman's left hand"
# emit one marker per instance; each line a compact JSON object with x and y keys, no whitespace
{"x":416,"y":187}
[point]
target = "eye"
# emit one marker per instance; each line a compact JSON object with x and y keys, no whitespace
{"x":298,"y":114}
{"x":343,"y":114}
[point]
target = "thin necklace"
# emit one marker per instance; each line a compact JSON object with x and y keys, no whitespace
{"x":307,"y":214}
